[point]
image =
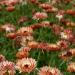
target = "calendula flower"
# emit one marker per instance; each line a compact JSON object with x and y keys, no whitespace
{"x":46,"y":70}
{"x":71,"y":67}
{"x":40,"y":15}
{"x":26,"y":65}
{"x":23,"y":52}
{"x":7,"y":67}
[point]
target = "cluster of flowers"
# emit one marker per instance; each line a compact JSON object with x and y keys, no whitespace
{"x":24,"y":38}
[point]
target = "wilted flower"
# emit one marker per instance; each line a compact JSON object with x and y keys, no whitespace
{"x":26,"y":65}
{"x":49,"y":71}
{"x":7,"y":67}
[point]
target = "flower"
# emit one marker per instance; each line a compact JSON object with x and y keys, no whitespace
{"x":25,"y":40}
{"x":45,"y":6}
{"x":24,"y":30}
{"x":7,"y":66}
{"x":67,"y":34}
{"x":40,"y":15}
{"x":33,"y":44}
{"x":23,"y":19}
{"x":11,"y":35}
{"x":2,"y":58}
{"x":8,"y":27}
{"x":10,"y":8}
{"x":60,"y":14}
{"x":46,"y":70}
{"x":71,"y":67}
{"x":23,"y":52}
{"x":26,"y":65}
{"x":70,"y":12}
{"x":63,"y":44}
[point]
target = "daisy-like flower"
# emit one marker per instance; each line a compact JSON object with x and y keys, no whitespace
{"x":23,"y":52}
{"x":7,"y":67}
{"x":71,"y":67}
{"x":57,"y":29}
{"x":63,"y":44}
{"x":26,"y":65}
{"x":49,"y":71}
{"x":65,"y":55}
{"x":40,"y":15}
{"x":45,"y":6}
{"x":9,"y":2}
{"x":45,"y":24}
{"x":26,"y":39}
{"x":24,"y":30}
{"x":67,"y":34}
{"x":2,"y":58}
{"x":8,"y":27}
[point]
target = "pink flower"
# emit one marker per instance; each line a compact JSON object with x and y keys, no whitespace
{"x":40,"y":15}
{"x":49,"y":71}
{"x":7,"y":66}
{"x":26,"y":65}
